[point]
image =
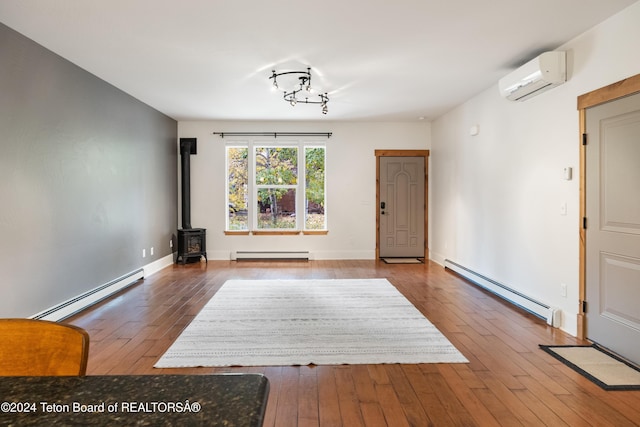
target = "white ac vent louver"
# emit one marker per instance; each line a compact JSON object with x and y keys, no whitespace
{"x":535,"y":77}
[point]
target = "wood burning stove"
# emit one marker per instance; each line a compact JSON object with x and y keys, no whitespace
{"x":192,"y":242}
{"x":192,"y":245}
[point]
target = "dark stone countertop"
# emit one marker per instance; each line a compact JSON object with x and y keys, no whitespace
{"x":134,"y":400}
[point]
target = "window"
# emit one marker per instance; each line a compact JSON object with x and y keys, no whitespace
{"x":315,"y":218}
{"x":276,"y":183}
{"x":275,"y":187}
{"x":237,"y":188}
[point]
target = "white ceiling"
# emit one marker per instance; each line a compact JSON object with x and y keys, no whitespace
{"x":377,"y":59}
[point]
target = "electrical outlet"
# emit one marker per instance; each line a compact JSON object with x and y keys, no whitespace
{"x":151,"y":251}
{"x":144,"y":253}
{"x":563,"y":290}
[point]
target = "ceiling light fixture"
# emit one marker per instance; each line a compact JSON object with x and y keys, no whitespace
{"x":302,"y":83}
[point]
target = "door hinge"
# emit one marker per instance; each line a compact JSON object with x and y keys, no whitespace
{"x":583,"y":307}
{"x":584,"y":222}
{"x":584,"y":139}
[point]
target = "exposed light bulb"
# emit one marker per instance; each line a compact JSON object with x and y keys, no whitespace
{"x":293,"y":101}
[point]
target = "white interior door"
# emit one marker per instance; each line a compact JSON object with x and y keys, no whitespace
{"x":613,"y":226}
{"x":401,"y":207}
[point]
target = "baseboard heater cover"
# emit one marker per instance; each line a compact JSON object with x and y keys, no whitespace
{"x":89,"y":298}
{"x":269,"y":255}
{"x":550,"y":314}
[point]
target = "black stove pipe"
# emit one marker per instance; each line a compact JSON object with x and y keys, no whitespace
{"x":187,"y":147}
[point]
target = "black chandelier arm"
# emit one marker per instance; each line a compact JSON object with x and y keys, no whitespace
{"x":306,"y":73}
{"x":324,"y":98}
{"x":304,"y":85}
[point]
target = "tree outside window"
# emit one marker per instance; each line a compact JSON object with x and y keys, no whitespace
{"x":276,"y":183}
{"x":237,"y":188}
{"x":314,"y":188}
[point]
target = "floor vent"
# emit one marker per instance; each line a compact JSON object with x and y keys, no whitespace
{"x":550,"y":314}
{"x":270,"y":255}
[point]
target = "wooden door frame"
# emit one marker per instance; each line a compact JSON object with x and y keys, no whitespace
{"x":404,"y":153}
{"x":608,"y":93}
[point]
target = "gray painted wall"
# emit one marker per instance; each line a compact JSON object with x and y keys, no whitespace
{"x":88,"y":178}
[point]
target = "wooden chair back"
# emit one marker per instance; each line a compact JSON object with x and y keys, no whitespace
{"x":31,"y":347}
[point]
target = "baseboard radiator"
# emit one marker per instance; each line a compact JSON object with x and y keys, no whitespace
{"x":87,"y":299}
{"x":270,"y":255}
{"x":537,"y":308}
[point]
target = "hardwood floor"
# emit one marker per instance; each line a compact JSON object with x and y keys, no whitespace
{"x":508,"y":382}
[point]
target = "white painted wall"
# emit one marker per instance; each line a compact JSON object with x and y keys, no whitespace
{"x":496,"y":197}
{"x":351,"y":186}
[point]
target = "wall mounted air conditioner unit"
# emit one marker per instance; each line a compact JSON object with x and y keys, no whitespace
{"x":536,"y":76}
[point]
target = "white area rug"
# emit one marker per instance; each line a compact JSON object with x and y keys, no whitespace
{"x":300,"y":322}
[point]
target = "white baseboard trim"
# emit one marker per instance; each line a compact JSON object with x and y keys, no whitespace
{"x":344,"y":255}
{"x":270,"y":255}
{"x":437,"y":258}
{"x":219,"y":255}
{"x":87,"y":299}
{"x":158,"y":265}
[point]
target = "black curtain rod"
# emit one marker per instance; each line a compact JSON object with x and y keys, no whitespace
{"x":273,"y":134}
